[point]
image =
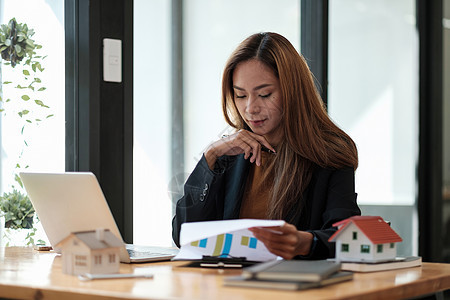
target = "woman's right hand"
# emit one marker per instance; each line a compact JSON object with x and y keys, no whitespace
{"x":240,"y":142}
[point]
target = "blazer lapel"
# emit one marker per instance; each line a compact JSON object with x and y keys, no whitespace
{"x":234,"y":187}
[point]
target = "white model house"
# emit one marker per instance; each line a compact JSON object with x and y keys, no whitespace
{"x":366,"y":239}
{"x":95,"y":252}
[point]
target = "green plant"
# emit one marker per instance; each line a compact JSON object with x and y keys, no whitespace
{"x":16,"y":42}
{"x":17,"y":210}
{"x":20,"y":96}
{"x":18,"y":50}
{"x":16,"y":45}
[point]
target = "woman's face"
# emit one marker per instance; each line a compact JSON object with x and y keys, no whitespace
{"x":258,"y":99}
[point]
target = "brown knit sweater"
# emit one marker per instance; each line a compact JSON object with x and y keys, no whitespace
{"x":255,"y":201}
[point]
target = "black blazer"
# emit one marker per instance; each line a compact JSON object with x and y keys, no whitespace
{"x":216,"y":195}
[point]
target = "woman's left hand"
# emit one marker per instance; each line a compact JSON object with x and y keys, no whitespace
{"x":285,"y":241}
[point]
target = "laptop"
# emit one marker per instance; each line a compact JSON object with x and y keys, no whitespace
{"x":73,"y":201}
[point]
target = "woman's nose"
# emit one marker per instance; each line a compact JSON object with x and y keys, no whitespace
{"x":253,"y":105}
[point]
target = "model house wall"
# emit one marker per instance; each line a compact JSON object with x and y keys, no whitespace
{"x":95,"y":252}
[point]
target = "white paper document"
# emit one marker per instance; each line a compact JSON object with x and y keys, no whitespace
{"x":227,"y":238}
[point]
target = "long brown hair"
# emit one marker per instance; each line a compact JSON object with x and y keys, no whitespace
{"x":310,"y":136}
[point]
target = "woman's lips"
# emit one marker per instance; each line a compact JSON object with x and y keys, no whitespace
{"x":257,"y":123}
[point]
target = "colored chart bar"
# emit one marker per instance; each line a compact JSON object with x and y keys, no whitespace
{"x":227,"y":246}
{"x":244,"y":240}
{"x":219,"y":244}
{"x":203,"y":243}
{"x":252,"y":243}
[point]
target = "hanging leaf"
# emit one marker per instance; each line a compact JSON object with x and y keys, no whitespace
{"x":40,"y":103}
{"x":26,"y":72}
{"x":49,"y":116}
{"x":23,"y":112}
{"x":42,"y":89}
{"x":25,"y":97}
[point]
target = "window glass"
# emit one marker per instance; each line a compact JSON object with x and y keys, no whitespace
{"x":373,"y":96}
{"x":151,"y":96}
{"x":344,"y":248}
{"x":365,"y":248}
{"x":373,"y":93}
{"x":27,"y":143}
{"x":379,"y":248}
{"x":211,"y":30}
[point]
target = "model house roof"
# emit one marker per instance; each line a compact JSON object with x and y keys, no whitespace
{"x":97,"y":239}
{"x":375,"y":228}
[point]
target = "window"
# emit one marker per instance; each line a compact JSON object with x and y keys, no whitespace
{"x":41,"y":146}
{"x":373,"y":95}
{"x":112,"y":258}
{"x":355,"y":235}
{"x":391,"y":245}
{"x":205,"y":50}
{"x":344,"y":248}
{"x":98,"y":259}
{"x":380,"y":248}
{"x":81,"y":260}
{"x":365,"y":248}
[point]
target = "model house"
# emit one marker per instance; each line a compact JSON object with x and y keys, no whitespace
{"x":95,"y":252}
{"x":365,"y":238}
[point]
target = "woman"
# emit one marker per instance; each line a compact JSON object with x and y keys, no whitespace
{"x":287,"y":159}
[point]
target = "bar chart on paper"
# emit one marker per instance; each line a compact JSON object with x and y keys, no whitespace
{"x":224,"y":238}
{"x":224,"y":242}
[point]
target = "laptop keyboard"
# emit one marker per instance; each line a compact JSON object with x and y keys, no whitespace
{"x":137,"y":253}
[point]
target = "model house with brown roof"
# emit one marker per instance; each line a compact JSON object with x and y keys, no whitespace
{"x":95,"y":252}
{"x":365,"y":239}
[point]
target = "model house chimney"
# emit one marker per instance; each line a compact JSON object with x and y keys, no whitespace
{"x":100,"y":234}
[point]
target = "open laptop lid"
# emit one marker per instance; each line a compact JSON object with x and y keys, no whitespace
{"x":70,"y":202}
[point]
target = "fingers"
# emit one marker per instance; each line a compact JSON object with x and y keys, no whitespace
{"x":263,"y":142}
{"x":253,"y":142}
{"x":285,"y":241}
{"x":243,"y":141}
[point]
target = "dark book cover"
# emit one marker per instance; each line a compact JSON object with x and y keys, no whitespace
{"x":241,"y":281}
{"x":297,"y":270}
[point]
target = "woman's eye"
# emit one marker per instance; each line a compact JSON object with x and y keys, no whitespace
{"x":240,"y":97}
{"x":266,"y":95}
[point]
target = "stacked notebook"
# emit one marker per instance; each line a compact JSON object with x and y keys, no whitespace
{"x":290,"y":275}
{"x":396,"y":263}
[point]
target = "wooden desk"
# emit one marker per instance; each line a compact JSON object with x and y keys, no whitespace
{"x":25,"y":273}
